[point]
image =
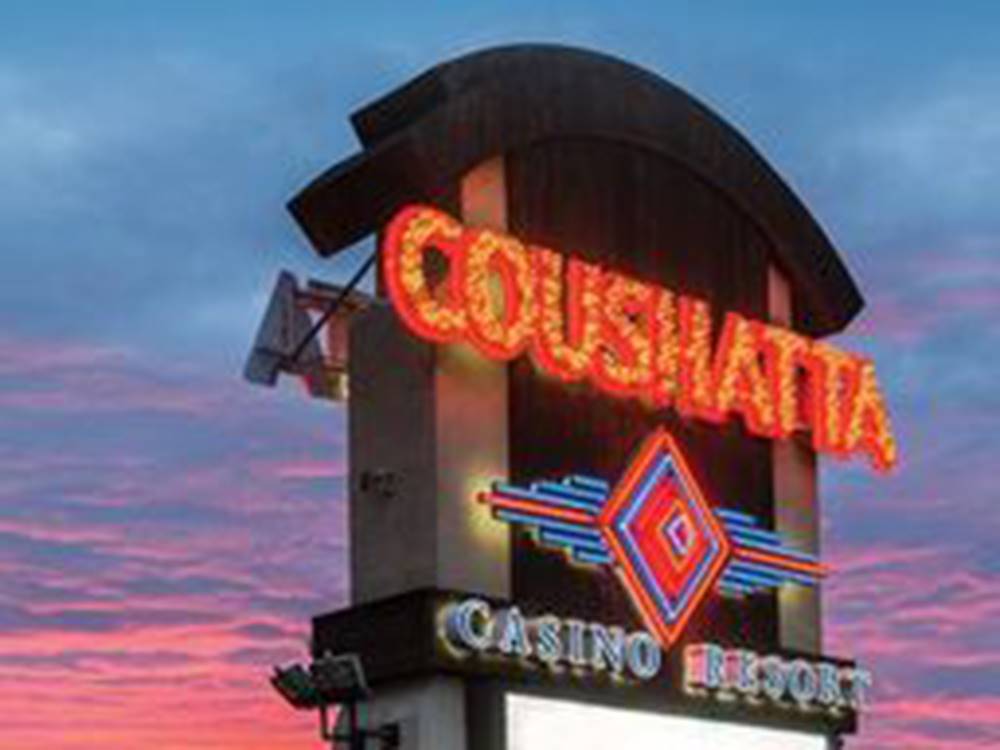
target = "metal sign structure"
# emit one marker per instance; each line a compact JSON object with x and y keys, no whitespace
{"x":586,"y":405}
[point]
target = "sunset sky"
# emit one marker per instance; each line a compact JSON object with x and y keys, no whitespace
{"x":166,"y":529}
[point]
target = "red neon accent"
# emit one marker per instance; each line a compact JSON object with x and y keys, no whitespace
{"x":668,"y":568}
{"x":780,"y":561}
{"x":540,"y":509}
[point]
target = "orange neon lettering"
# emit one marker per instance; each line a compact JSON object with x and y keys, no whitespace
{"x":741,"y":385}
{"x":696,"y":396}
{"x":566,"y":334}
{"x":496,"y":274}
{"x":829,"y":369}
{"x":631,"y":339}
{"x":436,"y":312}
{"x":783,"y":353}
{"x":868,"y":428}
{"x":624,"y":361}
{"x":666,"y":350}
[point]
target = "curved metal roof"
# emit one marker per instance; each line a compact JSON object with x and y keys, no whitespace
{"x":422,"y":136}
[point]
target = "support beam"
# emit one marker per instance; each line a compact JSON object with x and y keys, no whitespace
{"x":796,"y":504}
{"x":428,"y":430}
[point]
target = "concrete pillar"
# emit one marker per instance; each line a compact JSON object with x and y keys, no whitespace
{"x":472,"y":438}
{"x":796,"y":504}
{"x":428,"y":430}
{"x":430,"y":713}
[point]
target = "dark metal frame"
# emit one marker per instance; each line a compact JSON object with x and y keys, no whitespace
{"x":357,"y":737}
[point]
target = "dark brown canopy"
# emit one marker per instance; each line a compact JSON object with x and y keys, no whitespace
{"x":421,"y":137}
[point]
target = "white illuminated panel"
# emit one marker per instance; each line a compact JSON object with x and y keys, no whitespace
{"x":545,"y":724}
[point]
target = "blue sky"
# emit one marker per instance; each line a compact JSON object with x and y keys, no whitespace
{"x":114,"y":106}
{"x":146,"y":152}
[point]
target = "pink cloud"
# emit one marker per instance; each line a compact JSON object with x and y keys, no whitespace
{"x":932,"y":722}
{"x":24,"y":356}
{"x":917,"y":616}
{"x":307,"y":469}
{"x":153,"y":574}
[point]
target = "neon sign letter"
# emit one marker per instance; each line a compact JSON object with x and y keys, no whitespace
{"x":629,"y":338}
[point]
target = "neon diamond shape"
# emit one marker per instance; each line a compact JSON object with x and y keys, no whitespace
{"x":668,"y":545}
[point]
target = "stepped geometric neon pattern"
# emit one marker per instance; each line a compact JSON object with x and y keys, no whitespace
{"x":669,"y":547}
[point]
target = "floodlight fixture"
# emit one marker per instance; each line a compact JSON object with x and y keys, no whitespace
{"x":296,"y":686}
{"x":339,"y":679}
{"x":333,"y":681}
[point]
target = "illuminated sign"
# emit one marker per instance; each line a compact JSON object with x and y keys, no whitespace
{"x":713,"y":670}
{"x":534,"y":723}
{"x":655,"y":527}
{"x":578,"y":321}
{"x":472,"y":625}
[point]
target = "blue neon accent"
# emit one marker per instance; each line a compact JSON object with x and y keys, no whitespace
{"x":660,"y":468}
{"x":570,"y":540}
{"x":783,"y":575}
{"x":782,"y":551}
{"x":520,"y":493}
{"x":734,"y":589}
{"x":580,"y":534}
{"x":540,"y":521}
{"x":744,"y":530}
{"x":769,"y":537}
{"x":762,"y":575}
{"x":741,"y":566}
{"x":767,"y":581}
{"x":779,"y":574}
{"x":727,"y":580}
{"x":592,"y":483}
{"x":730,"y":579}
{"x":595,"y":558}
{"x":737,"y":516}
{"x":681,"y":546}
{"x":595,"y":499}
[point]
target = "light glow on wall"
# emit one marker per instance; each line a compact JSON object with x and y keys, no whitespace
{"x":544,"y":724}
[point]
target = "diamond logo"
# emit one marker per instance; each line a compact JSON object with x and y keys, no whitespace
{"x":668,"y":545}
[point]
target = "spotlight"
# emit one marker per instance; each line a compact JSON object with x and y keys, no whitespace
{"x":333,"y":681}
{"x":296,"y":686}
{"x":339,"y":679}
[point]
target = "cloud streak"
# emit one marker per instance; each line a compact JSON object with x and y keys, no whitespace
{"x":154,"y":578}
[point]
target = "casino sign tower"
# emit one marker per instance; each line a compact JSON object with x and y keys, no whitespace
{"x":586,"y":404}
